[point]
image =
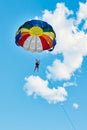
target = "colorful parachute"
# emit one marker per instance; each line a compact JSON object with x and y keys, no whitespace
{"x":36,"y":36}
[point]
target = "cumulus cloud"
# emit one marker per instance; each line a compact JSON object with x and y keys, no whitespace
{"x":75,"y":105}
{"x":71,"y":42}
{"x":58,"y":71}
{"x":38,"y":87}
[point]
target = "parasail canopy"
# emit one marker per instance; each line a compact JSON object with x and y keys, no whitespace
{"x":36,"y":36}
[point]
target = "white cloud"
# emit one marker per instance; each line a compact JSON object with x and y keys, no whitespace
{"x":75,"y":105}
{"x":82,"y":13}
{"x":39,"y":87}
{"x":58,"y":71}
{"x":67,"y":84}
{"x":71,"y":43}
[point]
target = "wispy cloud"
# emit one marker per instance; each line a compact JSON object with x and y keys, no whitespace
{"x":75,"y":105}
{"x":67,"y":84}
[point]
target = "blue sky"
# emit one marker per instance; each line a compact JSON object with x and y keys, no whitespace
{"x":36,"y":101}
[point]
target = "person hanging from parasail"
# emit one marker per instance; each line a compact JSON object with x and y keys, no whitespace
{"x":37,"y":64}
{"x":36,"y":36}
